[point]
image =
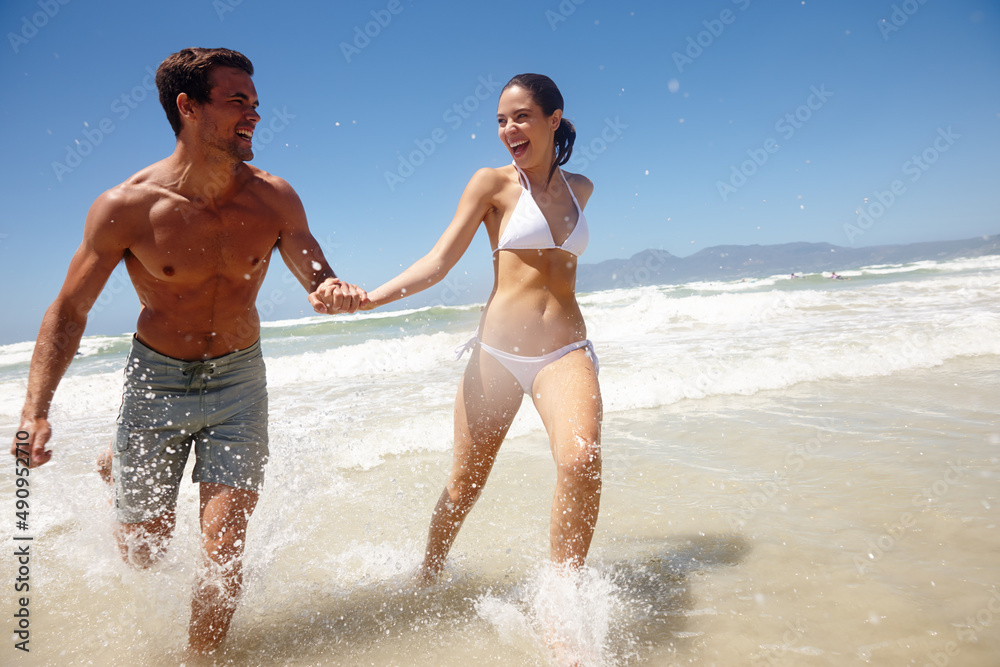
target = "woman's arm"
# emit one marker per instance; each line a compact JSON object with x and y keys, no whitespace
{"x":475,"y":203}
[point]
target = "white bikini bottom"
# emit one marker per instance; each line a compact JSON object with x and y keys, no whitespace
{"x":526,"y":368}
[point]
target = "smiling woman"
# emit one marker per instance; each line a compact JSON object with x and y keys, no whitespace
{"x":532,"y":339}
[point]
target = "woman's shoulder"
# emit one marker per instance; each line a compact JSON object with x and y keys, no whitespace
{"x":495,"y":175}
{"x":582,"y":186}
{"x":491,"y":180}
{"x":579,"y":181}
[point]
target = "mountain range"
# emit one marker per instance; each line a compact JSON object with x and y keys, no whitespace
{"x":728,"y":262}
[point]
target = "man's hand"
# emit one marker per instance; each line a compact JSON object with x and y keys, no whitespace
{"x":334,"y":296}
{"x":39,"y":432}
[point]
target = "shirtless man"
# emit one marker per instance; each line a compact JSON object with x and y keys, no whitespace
{"x":196,"y":232}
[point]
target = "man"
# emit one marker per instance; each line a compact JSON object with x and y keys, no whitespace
{"x":196,"y":232}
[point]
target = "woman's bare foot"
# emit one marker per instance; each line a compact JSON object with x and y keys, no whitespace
{"x":424,"y":576}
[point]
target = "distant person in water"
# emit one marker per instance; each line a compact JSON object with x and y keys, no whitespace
{"x":196,"y":232}
{"x":531,"y":338}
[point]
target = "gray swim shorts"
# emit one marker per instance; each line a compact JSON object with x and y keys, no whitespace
{"x":219,"y":405}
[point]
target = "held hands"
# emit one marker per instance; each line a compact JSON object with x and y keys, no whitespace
{"x":30,"y":440}
{"x":334,"y":296}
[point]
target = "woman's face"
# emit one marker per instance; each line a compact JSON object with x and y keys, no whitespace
{"x":524,"y":128}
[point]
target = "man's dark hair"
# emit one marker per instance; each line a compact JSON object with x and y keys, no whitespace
{"x":189,"y":71}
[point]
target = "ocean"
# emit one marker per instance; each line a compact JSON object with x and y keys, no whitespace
{"x":797,"y":471}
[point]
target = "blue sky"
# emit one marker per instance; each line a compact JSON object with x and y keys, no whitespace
{"x":700,"y":123}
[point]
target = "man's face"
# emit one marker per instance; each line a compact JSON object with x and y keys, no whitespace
{"x":229,"y":117}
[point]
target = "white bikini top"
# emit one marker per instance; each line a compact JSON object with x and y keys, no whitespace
{"x":527,"y":228}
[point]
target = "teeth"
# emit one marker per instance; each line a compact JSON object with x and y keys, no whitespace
{"x":523,"y":141}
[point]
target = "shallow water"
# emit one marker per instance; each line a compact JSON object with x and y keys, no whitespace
{"x":770,"y":497}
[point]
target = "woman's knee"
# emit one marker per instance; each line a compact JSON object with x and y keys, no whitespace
{"x":465,"y":490}
{"x":580,"y":463}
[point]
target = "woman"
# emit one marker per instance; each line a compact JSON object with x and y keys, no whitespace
{"x":532,"y":337}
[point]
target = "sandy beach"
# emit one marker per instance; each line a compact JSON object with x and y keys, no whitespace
{"x":850,"y":518}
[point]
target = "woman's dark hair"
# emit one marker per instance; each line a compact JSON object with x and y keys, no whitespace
{"x":189,"y":71}
{"x":546,"y":95}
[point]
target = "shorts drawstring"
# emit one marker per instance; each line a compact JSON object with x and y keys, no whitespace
{"x":200,"y":370}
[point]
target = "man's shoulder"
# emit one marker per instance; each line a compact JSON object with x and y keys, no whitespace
{"x":267,"y":185}
{"x":140,"y":189}
{"x":273,"y":192}
{"x":120,"y":212}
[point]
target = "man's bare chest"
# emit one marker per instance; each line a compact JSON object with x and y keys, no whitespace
{"x":186,"y":244}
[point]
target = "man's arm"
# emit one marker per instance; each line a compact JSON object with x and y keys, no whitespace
{"x":64,"y":321}
{"x":305,"y":259}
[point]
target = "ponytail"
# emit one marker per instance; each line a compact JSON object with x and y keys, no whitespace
{"x":564,"y":139}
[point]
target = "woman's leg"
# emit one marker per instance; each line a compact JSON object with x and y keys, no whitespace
{"x":568,"y":398}
{"x":488,"y":398}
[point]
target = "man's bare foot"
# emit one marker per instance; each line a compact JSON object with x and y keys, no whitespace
{"x":193,"y":658}
{"x":563,"y":656}
{"x":104,"y":466}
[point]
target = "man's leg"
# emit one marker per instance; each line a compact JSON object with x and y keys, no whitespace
{"x":225,"y":513}
{"x":230,"y":456}
{"x":140,"y":544}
